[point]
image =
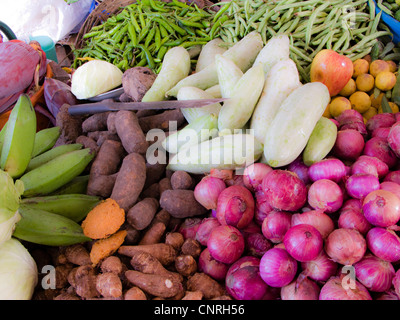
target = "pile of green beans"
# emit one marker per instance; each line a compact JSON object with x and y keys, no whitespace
{"x":349,"y":27}
{"x":389,"y":6}
{"x":144,"y":31}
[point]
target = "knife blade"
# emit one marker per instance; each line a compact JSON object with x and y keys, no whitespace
{"x":104,"y":106}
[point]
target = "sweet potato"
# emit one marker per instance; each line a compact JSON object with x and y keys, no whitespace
{"x":164,"y":253}
{"x":155,"y":284}
{"x":104,"y":248}
{"x":96,"y":122}
{"x":112,"y":264}
{"x":106,"y":135}
{"x":103,"y":220}
{"x":142,"y":213}
{"x":161,"y":120}
{"x":137,"y":81}
{"x":108,"y":158}
{"x":181,"y":180}
{"x":154,"y":173}
{"x":162,"y":216}
{"x":181,"y":203}
{"x":87,"y":142}
{"x":153,"y":234}
{"x":152,"y":191}
{"x":130,"y":132}
{"x":132,"y":235}
{"x":101,"y":185}
{"x":164,"y":184}
{"x":130,"y":181}
{"x":204,"y":283}
{"x":111,"y":123}
{"x":193,"y":295}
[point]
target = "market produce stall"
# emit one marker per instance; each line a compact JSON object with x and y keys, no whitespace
{"x":239,"y":150}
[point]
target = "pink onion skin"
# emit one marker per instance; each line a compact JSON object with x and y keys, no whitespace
{"x":205,"y":228}
{"x":379,"y":148}
{"x":226,"y":244}
{"x":303,"y":242}
{"x":321,"y":268}
{"x":393,"y":138}
{"x":371,"y":165}
{"x":374,"y":273}
{"x":207,"y":191}
{"x":325,"y":195}
{"x":393,"y":187}
{"x":345,"y":246}
{"x":215,"y":269}
{"x":254,"y":174}
{"x":316,"y":218}
{"x":393,"y":176}
{"x":349,"y":144}
{"x":243,"y":280}
{"x":381,"y":132}
{"x":332,"y":169}
{"x":396,"y":283}
{"x":381,"y":208}
{"x":334,"y":289}
{"x":302,"y":288}
{"x":261,"y":211}
{"x":189,"y":227}
{"x":256,"y":244}
{"x":352,"y":218}
{"x":284,"y":190}
{"x":384,"y":244}
{"x":380,"y":120}
{"x":275,"y":225}
{"x":235,"y":207}
{"x":298,"y":167}
{"x":359,"y":185}
{"x":277,"y":267}
{"x":389,"y":295}
{"x":352,"y":204}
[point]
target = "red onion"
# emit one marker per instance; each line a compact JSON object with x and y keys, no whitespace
{"x":352,"y":218}
{"x":370,"y":165}
{"x":321,"y":268}
{"x":235,"y":206}
{"x":349,"y":144}
{"x":379,"y":147}
{"x":316,"y":218}
{"x":254,"y":174}
{"x":393,"y":176}
{"x":389,"y":295}
{"x":384,"y":243}
{"x":325,"y":195}
{"x":358,"y":126}
{"x":244,"y":282}
{"x":374,"y":273}
{"x":381,"y":132}
{"x":396,"y":283}
{"x":237,"y":180}
{"x":335,"y":289}
{"x":359,"y":185}
{"x":335,"y":122}
{"x":333,"y":169}
{"x":393,"y":138}
{"x":256,"y":244}
{"x":205,"y":228}
{"x":284,"y":190}
{"x":275,"y":225}
{"x":261,"y":211}
{"x":380,"y":120}
{"x":224,"y":174}
{"x":215,"y":269}
{"x":396,"y":116}
{"x":277,"y":267}
{"x":392,"y":187}
{"x":303,"y":242}
{"x":381,"y":208}
{"x":352,"y":204}
{"x":301,"y":288}
{"x":207,"y":191}
{"x":226,"y":244}
{"x":298,"y":167}
{"x":349,"y":116}
{"x":189,"y":227}
{"x":345,"y":246}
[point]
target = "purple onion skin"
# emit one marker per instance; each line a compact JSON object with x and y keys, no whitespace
{"x":359,"y":185}
{"x":381,"y":132}
{"x":275,"y":225}
{"x":334,"y":289}
{"x":393,"y":176}
{"x":284,"y":190}
{"x":301,"y":169}
{"x":277,"y":267}
{"x":332,"y":169}
{"x":381,"y":120}
{"x":396,"y":283}
{"x":391,"y":186}
{"x":384,"y":244}
{"x":379,"y":147}
{"x":325,"y":195}
{"x":302,"y":288}
{"x":374,"y":273}
{"x":349,"y":144}
{"x":215,"y":269}
{"x":189,"y":227}
{"x":393,"y":138}
{"x":207,"y":191}
{"x":381,"y":208}
{"x":352,"y":218}
{"x":370,"y":165}
{"x":205,"y":228}
{"x":254,"y":174}
{"x":321,"y":268}
{"x":245,"y":283}
{"x":256,"y":244}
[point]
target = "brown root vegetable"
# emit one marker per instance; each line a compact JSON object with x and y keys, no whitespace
{"x":193,"y":295}
{"x":142,"y":213}
{"x":181,"y":203}
{"x":83,"y":279}
{"x":132,"y":235}
{"x":152,"y":191}
{"x":136,"y":81}
{"x":186,"y":265}
{"x":130,"y":132}
{"x":153,"y":234}
{"x":135,"y":293}
{"x":130,"y":181}
{"x":147,"y":263}
{"x":77,"y":254}
{"x":71,"y":127}
{"x":112,"y":264}
{"x":96,"y":122}
{"x":155,"y":284}
{"x":175,"y":239}
{"x":204,"y":283}
{"x":105,"y":135}
{"x":103,"y":220}
{"x":161,"y":120}
{"x":87,"y":142}
{"x":164,"y":184}
{"x":111,"y":123}
{"x":181,"y":180}
{"x":101,"y":185}
{"x":66,"y":296}
{"x":109,"y":285}
{"x":104,"y":248}
{"x":108,"y":158}
{"x":61,"y":273}
{"x":163,"y":252}
{"x":154,"y":173}
{"x":191,"y":247}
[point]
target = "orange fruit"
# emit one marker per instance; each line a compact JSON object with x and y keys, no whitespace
{"x":360,"y":66}
{"x":365,"y":82}
{"x":360,"y":101}
{"x":349,"y":88}
{"x":392,"y":66}
{"x":385,"y":80}
{"x":338,"y":105}
{"x":378,"y":66}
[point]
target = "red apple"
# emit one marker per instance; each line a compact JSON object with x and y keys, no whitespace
{"x":332,"y":69}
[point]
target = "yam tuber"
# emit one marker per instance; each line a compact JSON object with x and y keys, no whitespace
{"x":111,"y":122}
{"x":186,"y":265}
{"x":96,"y":122}
{"x":130,"y":181}
{"x":193,"y":295}
{"x":191,"y":247}
{"x":83,"y":279}
{"x":142,"y":213}
{"x":135,"y":293}
{"x":104,"y":248}
{"x":155,"y":284}
{"x":109,"y":285}
{"x":204,"y":283}
{"x":163,"y":252}
{"x":161,"y":120}
{"x":112,"y":264}
{"x":137,"y":81}
{"x":181,"y":203}
{"x":164,"y":184}
{"x":103,"y":220}
{"x":130,"y":132}
{"x":87,"y":142}
{"x":175,"y":239}
{"x":181,"y":180}
{"x":77,"y":254}
{"x":153,"y":234}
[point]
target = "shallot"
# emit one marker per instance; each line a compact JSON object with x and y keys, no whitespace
{"x":381,"y":208}
{"x":275,"y":225}
{"x":316,"y":218}
{"x":384,"y":243}
{"x":333,"y":169}
{"x":254,"y":174}
{"x":336,"y":288}
{"x":359,"y":185}
{"x":301,"y":288}
{"x":321,"y":268}
{"x":325,"y":195}
{"x":207,"y":191}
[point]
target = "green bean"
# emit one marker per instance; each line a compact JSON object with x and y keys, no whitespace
{"x":221,"y":11}
{"x":132,"y":34}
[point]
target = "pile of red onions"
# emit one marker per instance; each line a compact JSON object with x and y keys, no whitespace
{"x":328,"y":231}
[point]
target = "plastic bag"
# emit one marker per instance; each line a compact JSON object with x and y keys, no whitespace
{"x":53,"y":18}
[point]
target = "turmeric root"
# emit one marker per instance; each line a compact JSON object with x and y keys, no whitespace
{"x":104,"y":248}
{"x":164,"y":253}
{"x":109,"y":285}
{"x":103,"y":220}
{"x":207,"y":285}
